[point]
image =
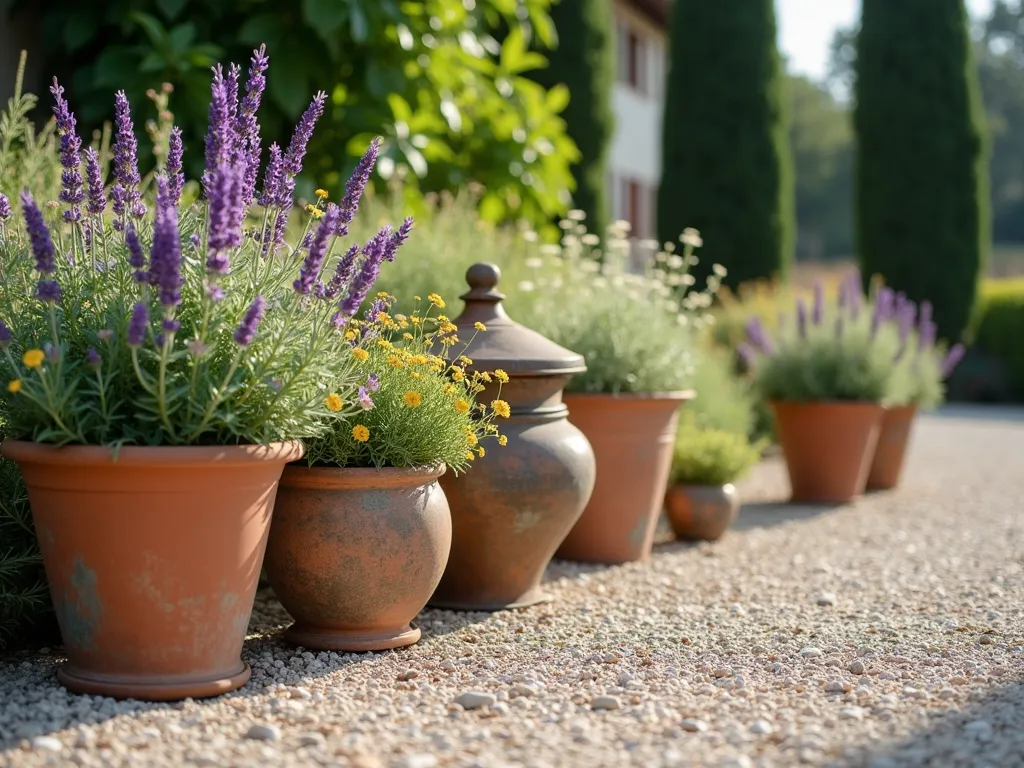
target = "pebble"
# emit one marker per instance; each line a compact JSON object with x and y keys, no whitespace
{"x":693,"y":725}
{"x":47,"y":744}
{"x":761,"y":727}
{"x":856,"y":667}
{"x":312,"y":739}
{"x":263,"y":732}
{"x":826,"y":598}
{"x":475,"y":700}
{"x":810,"y":652}
{"x":604,"y":702}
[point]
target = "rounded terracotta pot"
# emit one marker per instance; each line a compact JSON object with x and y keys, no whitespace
{"x":354,"y":554}
{"x":633,"y":437}
{"x":893,"y":439}
{"x":828,"y":448}
{"x":514,"y":506}
{"x":701,"y":512}
{"x":152,"y":559}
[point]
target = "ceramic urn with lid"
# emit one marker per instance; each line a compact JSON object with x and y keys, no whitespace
{"x":512,"y":509}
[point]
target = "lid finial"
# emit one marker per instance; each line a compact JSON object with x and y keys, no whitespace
{"x":483,"y":281}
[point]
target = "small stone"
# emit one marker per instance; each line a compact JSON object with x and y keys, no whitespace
{"x":693,"y":725}
{"x":761,"y":727}
{"x":448,"y":665}
{"x":47,"y":744}
{"x":851,"y":713}
{"x":826,"y":598}
{"x":263,"y":733}
{"x":810,"y":652}
{"x":723,"y":672}
{"x":958,"y":680}
{"x":604,"y":702}
{"x":418,"y":761}
{"x":475,"y":700}
{"x":837,"y":686}
{"x":947,"y":693}
{"x":524,"y":689}
{"x":409,"y":674}
{"x":986,"y":640}
{"x":312,"y":739}
{"x":979,"y":729}
{"x":856,"y":667}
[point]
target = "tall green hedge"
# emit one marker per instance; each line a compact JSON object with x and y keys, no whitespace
{"x":584,"y":61}
{"x":726,"y":165}
{"x":922,"y":200}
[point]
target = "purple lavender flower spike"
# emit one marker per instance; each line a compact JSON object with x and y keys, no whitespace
{"x":747,"y":354}
{"x":215,"y":292}
{"x":125,"y":193}
{"x":355,"y":186}
{"x":137,"y":325}
{"x":365,"y":400}
{"x":303,"y":133}
{"x":343,"y":273}
{"x":38,"y":234}
{"x":97,"y":200}
{"x":5,"y":207}
{"x":5,"y":334}
{"x":227,"y":213}
{"x":70,"y":145}
{"x":218,"y":129}
{"x":165,"y":255}
{"x":374,"y":252}
{"x":801,"y":318}
{"x":818,"y":309}
{"x":314,"y":261}
{"x":250,"y":322}
{"x":925,"y":312}
{"x":48,"y":291}
{"x":758,"y":336}
{"x":905,"y":315}
{"x":856,"y":298}
{"x":272,"y":177}
{"x":953,"y":358}
{"x":175,"y":177}
{"x":376,"y":308}
{"x":246,"y":149}
{"x":136,"y":258}
{"x":396,"y":240}
{"x":170,"y":325}
{"x":373,"y":382}
{"x":92,"y":358}
{"x":926,"y":333}
{"x":884,"y":303}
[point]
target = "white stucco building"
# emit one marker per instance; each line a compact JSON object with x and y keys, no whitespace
{"x":638,"y":98}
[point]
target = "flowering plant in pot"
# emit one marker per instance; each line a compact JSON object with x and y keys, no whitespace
{"x":825,"y":375}
{"x":702,"y":502}
{"x":639,"y":339}
{"x":361,"y":534}
{"x":162,"y":363}
{"x":923,"y":363}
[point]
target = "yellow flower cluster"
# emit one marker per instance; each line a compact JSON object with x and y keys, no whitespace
{"x":334,"y":402}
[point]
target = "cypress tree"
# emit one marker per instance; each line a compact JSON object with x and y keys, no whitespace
{"x":922,"y":200}
{"x":726,"y":164}
{"x":584,"y":61}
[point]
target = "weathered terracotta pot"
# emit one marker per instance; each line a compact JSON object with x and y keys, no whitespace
{"x":828,"y":448}
{"x":152,"y":560}
{"x":354,"y":554}
{"x":893,"y":439}
{"x":701,"y":512}
{"x":514,"y":506}
{"x":633,"y":437}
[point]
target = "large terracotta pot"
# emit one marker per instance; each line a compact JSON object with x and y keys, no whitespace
{"x":354,"y":554}
{"x":514,"y":506}
{"x":633,"y":437}
{"x":828,"y":448}
{"x":892,"y":448}
{"x":701,"y":512}
{"x":152,"y":560}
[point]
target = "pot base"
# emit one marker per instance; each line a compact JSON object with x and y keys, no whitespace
{"x":151,"y":689}
{"x":535,"y":596}
{"x":353,"y":640}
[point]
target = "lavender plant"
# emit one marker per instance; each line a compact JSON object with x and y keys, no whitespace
{"x":129,"y":320}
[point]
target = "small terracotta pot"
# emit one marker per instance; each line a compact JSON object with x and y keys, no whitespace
{"x":152,"y":560}
{"x":632,"y":437}
{"x":701,"y":512}
{"x":355,"y":554}
{"x":828,"y":448}
{"x":892,"y":448}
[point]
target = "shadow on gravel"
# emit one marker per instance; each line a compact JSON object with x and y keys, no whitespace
{"x":769,"y":514}
{"x":987,"y":734}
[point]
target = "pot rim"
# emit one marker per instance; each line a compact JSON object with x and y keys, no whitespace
{"x":681,"y":395}
{"x":159,"y":455}
{"x":835,"y":403}
{"x":704,"y":486}
{"x":339,"y":478}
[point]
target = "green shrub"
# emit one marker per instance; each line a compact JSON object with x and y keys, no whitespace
{"x":726,"y":162}
{"x":922,"y":194}
{"x":712,"y":456}
{"x":999,"y":330}
{"x":724,"y":400}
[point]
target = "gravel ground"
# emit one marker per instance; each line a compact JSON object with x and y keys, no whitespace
{"x":886,"y":633}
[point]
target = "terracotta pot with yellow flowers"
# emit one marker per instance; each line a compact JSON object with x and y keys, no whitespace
{"x":362,"y":532}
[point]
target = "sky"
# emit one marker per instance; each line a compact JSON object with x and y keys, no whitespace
{"x":806,"y":27}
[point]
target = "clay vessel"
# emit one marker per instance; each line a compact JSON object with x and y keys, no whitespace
{"x":633,"y":437}
{"x":701,"y":512}
{"x":354,"y":554}
{"x":152,"y":560}
{"x":893,"y":439}
{"x":513,"y":507}
{"x":828,"y":448}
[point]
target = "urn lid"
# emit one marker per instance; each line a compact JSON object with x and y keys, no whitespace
{"x":506,"y":344}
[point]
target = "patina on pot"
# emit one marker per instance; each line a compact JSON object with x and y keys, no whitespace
{"x":354,"y":554}
{"x":633,"y":437}
{"x":515,"y":505}
{"x":701,"y":512}
{"x":887,"y":465}
{"x":828,"y":447}
{"x":152,"y":559}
